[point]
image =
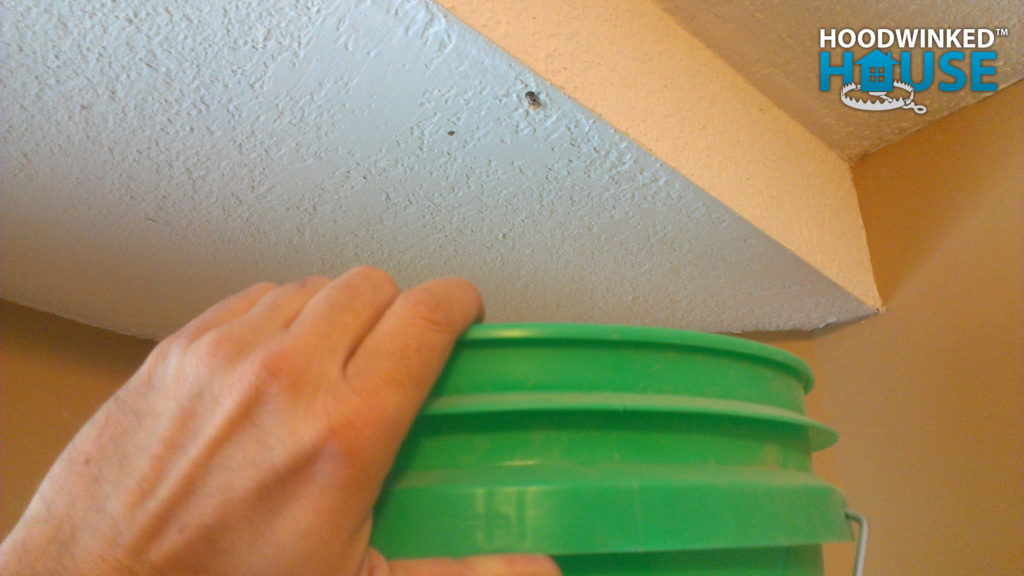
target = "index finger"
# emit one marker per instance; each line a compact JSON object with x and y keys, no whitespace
{"x":398,"y":362}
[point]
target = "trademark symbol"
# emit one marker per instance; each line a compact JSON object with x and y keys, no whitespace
{"x":1002,"y":32}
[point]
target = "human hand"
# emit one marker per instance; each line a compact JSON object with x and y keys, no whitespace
{"x":255,"y":440}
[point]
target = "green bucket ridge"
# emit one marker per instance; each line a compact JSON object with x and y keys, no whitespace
{"x":615,"y":448}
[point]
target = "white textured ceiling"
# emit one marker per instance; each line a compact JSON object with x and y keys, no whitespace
{"x":774,"y":44}
{"x":159,"y":155}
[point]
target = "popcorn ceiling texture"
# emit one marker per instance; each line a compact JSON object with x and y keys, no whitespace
{"x":160,"y":155}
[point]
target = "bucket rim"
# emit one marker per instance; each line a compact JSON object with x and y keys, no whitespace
{"x":617,"y":333}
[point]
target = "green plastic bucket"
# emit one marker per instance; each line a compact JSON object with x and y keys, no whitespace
{"x":618,"y":450}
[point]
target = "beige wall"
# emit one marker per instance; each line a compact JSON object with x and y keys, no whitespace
{"x":54,"y":374}
{"x":928,"y":397}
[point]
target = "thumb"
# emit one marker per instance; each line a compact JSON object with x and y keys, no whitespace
{"x":503,"y":565}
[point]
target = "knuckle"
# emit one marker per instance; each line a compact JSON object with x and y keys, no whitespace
{"x":218,"y":349}
{"x":374,"y":277}
{"x":311,"y":283}
{"x":264,"y":286}
{"x":166,"y":352}
{"x":429,"y":310}
{"x":169,"y":348}
{"x":259,"y":290}
{"x":349,"y":438}
{"x":278,"y":367}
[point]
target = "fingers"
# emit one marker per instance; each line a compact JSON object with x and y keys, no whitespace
{"x":393,"y":370}
{"x":386,"y":348}
{"x":505,"y":565}
{"x":279,"y":308}
{"x":344,"y":311}
{"x":225,"y":311}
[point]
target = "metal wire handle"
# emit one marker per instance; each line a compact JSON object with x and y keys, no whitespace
{"x":862,"y":540}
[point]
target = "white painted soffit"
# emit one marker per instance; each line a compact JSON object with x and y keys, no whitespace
{"x":158,"y":156}
{"x":633,"y":65}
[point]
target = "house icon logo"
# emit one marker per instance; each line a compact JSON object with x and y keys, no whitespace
{"x":876,"y":72}
{"x":878,"y":90}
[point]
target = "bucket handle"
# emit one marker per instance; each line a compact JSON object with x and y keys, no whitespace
{"x":862,"y":540}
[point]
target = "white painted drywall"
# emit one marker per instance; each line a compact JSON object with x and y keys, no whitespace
{"x":159,"y":155}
